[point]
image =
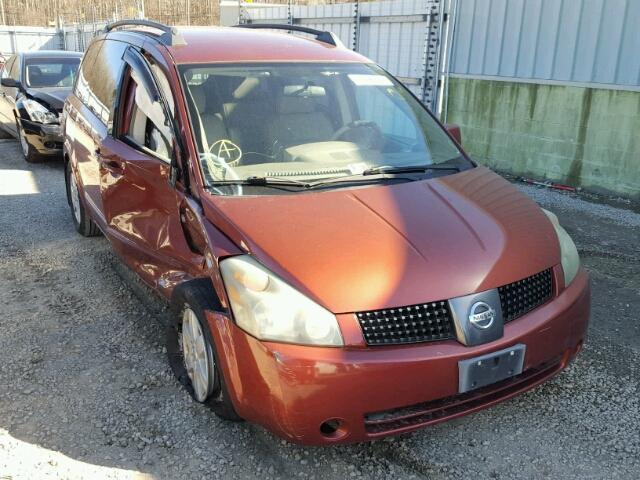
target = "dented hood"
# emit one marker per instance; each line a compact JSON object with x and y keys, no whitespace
{"x":356,"y":249}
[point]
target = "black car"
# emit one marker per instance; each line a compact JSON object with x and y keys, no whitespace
{"x":34,"y":86}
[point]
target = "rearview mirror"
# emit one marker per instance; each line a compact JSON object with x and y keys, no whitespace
{"x":10,"y":82}
{"x":454,"y":131}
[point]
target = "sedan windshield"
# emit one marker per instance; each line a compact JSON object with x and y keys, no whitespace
{"x":306,"y":123}
{"x":50,"y":72}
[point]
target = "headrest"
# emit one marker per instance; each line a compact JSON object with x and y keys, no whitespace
{"x":245,"y":88}
{"x":288,"y":105}
{"x":199,"y":98}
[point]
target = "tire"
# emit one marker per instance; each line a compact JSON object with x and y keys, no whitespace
{"x":29,"y":153}
{"x":81,"y":220}
{"x":188,"y":303}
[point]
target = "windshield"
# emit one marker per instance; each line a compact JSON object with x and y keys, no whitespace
{"x":307,"y":122}
{"x":50,"y":72}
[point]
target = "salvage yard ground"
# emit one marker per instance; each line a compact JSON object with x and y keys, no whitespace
{"x":86,"y":392}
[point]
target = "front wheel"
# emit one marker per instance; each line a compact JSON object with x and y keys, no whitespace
{"x":29,"y":153}
{"x":191,"y":350}
{"x":81,"y":220}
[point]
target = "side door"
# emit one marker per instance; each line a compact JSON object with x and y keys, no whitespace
{"x":141,"y":204}
{"x":89,"y":118}
{"x":8,"y":96}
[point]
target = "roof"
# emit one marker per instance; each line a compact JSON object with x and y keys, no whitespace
{"x":226,"y":44}
{"x":51,"y":54}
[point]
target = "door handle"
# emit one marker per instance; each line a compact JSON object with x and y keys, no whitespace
{"x":109,"y":163}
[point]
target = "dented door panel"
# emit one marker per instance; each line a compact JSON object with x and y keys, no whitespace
{"x":142,"y":214}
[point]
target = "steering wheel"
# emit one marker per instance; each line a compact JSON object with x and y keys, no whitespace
{"x":370,"y":132}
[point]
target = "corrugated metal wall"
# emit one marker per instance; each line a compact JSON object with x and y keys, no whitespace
{"x":393,"y":35}
{"x":21,"y":39}
{"x":70,"y":37}
{"x":568,"y":41}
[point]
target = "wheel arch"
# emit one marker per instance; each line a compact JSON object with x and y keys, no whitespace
{"x":205,"y":290}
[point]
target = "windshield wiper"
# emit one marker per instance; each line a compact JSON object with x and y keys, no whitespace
{"x":277,"y":182}
{"x":262,"y":182}
{"x":381,"y":169}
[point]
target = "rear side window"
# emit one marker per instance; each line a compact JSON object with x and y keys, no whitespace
{"x":99,"y":77}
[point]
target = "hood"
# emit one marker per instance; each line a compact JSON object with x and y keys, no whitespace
{"x":52,"y":96}
{"x":361,"y":249}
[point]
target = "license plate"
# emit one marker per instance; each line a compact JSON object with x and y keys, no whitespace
{"x":490,"y":368}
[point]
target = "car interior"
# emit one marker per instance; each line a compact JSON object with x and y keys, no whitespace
{"x":277,"y":122}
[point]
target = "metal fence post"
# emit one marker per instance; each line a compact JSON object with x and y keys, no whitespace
{"x":431,"y":47}
{"x":356,"y":26}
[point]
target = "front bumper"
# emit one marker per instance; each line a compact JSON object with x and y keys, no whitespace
{"x":45,"y":138}
{"x":377,"y":391}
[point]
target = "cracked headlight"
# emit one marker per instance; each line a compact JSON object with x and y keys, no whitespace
{"x":38,"y":112}
{"x":568,"y":250}
{"x":270,"y":309}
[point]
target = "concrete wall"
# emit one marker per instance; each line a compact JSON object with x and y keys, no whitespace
{"x":584,"y":137}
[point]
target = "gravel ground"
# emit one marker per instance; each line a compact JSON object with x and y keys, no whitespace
{"x":85,"y":390}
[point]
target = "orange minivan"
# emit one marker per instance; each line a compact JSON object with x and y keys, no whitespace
{"x":338,"y":268}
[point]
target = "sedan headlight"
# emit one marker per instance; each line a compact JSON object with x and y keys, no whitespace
{"x":568,"y":250}
{"x":269,"y":309}
{"x":38,"y":112}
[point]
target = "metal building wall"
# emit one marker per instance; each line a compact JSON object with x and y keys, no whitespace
{"x":20,"y":39}
{"x":584,"y":42}
{"x":400,"y":35}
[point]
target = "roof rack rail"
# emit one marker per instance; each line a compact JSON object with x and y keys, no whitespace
{"x":169,"y":37}
{"x":322,"y":36}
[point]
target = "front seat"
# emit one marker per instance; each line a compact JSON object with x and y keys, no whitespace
{"x":212,"y":123}
{"x":299,"y":121}
{"x":247,"y":115}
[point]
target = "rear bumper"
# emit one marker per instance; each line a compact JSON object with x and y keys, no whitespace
{"x":374,"y":392}
{"x":46,"y":139}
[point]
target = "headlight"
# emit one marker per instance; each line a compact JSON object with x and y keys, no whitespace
{"x":568,"y":250}
{"x":38,"y":112}
{"x":269,"y":309}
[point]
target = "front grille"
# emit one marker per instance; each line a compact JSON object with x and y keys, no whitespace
{"x":433,"y":321}
{"x":417,"y":323}
{"x":520,"y":297}
{"x":427,"y":413}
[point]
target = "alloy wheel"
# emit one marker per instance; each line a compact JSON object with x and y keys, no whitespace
{"x":23,"y":141}
{"x":197,"y":359}
{"x":75,"y":196}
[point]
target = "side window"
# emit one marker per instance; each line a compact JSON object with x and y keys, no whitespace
{"x":145,"y":122}
{"x":99,"y":76}
{"x":85,"y":79}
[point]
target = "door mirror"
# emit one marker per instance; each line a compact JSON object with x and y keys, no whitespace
{"x":454,"y":131}
{"x":11,"y":83}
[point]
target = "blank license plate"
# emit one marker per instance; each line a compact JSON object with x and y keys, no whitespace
{"x":490,"y":368}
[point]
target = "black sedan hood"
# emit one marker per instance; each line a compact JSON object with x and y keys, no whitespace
{"x":54,"y":97}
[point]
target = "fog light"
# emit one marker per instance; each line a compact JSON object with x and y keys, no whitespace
{"x":333,"y":429}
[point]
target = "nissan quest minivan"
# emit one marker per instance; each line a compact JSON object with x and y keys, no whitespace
{"x":339,"y":270}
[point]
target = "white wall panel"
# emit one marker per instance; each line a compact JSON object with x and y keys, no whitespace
{"x":574,"y":41}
